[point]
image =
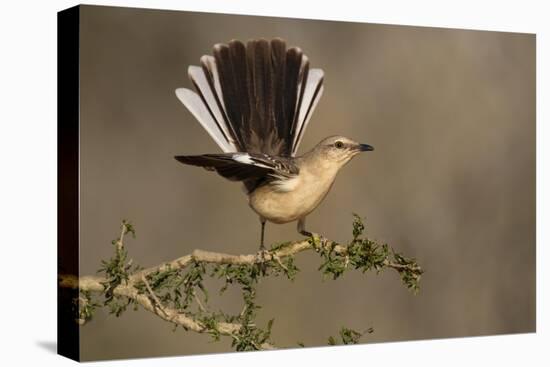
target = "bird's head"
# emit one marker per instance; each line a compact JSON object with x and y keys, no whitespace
{"x":339,"y":150}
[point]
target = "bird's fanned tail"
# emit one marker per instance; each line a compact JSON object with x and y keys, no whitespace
{"x":255,"y":98}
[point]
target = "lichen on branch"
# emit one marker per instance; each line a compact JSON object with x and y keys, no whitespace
{"x":175,"y":292}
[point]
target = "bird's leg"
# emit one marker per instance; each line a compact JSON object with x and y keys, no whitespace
{"x":302,"y":230}
{"x":262,"y":247}
{"x":262,"y":253}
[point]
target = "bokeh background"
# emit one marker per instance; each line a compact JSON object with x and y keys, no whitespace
{"x":450,"y":112}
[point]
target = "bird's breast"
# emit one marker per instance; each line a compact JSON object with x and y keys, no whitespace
{"x":289,"y":200}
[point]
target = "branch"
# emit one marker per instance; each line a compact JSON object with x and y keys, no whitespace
{"x":169,"y":290}
{"x":291,"y":249}
{"x":95,"y":284}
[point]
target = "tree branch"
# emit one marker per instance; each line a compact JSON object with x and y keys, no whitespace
{"x":292,"y":249}
{"x":95,"y":284}
{"x":168,"y":289}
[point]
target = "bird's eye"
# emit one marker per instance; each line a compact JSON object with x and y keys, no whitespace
{"x":339,"y":144}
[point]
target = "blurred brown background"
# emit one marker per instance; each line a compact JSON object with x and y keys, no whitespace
{"x":451,"y":114}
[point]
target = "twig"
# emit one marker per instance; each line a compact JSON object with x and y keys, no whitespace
{"x":152,"y":293}
{"x":201,"y":306}
{"x":278,"y":260}
{"x":128,"y":290}
{"x":119,"y":243}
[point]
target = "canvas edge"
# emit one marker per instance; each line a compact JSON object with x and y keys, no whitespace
{"x":68,"y":164}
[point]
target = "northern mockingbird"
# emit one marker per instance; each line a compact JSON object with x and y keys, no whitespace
{"x":255,"y":101}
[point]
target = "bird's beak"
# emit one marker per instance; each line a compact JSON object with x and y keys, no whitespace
{"x":365,"y":148}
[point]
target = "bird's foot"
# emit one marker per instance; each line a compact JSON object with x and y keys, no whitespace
{"x":316,"y":239}
{"x":262,"y":257}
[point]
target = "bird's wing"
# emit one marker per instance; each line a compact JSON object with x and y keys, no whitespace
{"x":244,"y":166}
{"x":256,"y":97}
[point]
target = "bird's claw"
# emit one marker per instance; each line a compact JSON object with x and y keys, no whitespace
{"x":318,"y":241}
{"x":262,"y":255}
{"x":261,"y":258}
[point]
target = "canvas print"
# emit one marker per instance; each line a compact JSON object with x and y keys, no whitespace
{"x":235,"y":183}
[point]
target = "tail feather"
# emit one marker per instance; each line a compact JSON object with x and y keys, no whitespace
{"x":312,"y":93}
{"x":278,"y":62}
{"x":227,"y":69}
{"x":259,"y":97}
{"x":302,"y":82}
{"x":237,"y":53}
{"x":210,"y":71}
{"x":199,"y":109}
{"x":291,"y":86}
{"x":211,"y":102}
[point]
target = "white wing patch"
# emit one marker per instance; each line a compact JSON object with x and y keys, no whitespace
{"x":246,"y":159}
{"x":243,"y":158}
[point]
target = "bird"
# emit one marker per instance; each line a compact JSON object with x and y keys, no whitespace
{"x":255,"y":100}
